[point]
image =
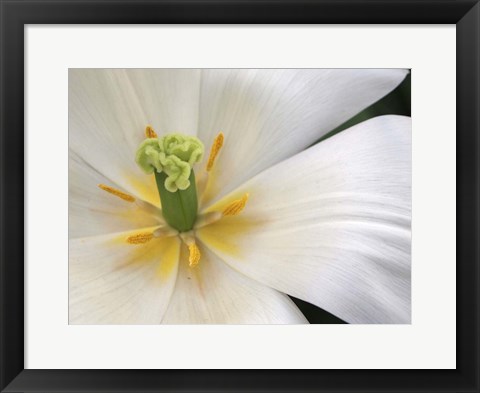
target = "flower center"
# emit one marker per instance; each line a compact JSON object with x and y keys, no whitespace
{"x":171,"y":159}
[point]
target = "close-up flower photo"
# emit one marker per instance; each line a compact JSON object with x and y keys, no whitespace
{"x":239,"y":196}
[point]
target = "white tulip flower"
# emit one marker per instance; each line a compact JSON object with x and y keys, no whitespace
{"x":164,"y":228}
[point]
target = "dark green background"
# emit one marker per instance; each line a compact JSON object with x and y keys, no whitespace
{"x":398,"y":102}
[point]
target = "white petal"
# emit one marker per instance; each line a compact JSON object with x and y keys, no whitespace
{"x":109,"y":109}
{"x":169,"y":98}
{"x":269,"y":115}
{"x":112,"y":282}
{"x":213,"y":293}
{"x":93,"y":211}
{"x":331,"y":225}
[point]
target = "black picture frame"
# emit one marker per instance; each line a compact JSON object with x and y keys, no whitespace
{"x":15,"y":14}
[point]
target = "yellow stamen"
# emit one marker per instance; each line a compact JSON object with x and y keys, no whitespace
{"x":149,"y":132}
{"x":189,"y":239}
{"x":140,"y":238}
{"x":117,"y":193}
{"x":236,"y":207}
{"x":194,"y":256}
{"x":216,"y":146}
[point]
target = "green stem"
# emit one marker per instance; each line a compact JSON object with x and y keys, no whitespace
{"x":179,"y":208}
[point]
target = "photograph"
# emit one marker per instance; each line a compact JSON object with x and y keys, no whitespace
{"x":239,"y":196}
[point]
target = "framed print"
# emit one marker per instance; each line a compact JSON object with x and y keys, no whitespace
{"x":239,"y":196}
{"x":175,"y":212}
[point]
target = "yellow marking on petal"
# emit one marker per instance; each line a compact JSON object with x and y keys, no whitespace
{"x":211,"y":188}
{"x":194,"y":255}
{"x":132,"y":216}
{"x":169,"y":254}
{"x":150,"y":133}
{"x":226,"y":235}
{"x":207,"y":219}
{"x":140,"y":238}
{"x":117,"y":193}
{"x":236,"y":206}
{"x":202,"y":180}
{"x":214,"y":150}
{"x":162,"y":252}
{"x":146,"y":188}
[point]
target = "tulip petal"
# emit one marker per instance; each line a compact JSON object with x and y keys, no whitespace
{"x":331,"y":225}
{"x":113,"y":282}
{"x":213,"y":293}
{"x":109,"y":110}
{"x":169,"y":98}
{"x":93,"y":211}
{"x":270,"y":115}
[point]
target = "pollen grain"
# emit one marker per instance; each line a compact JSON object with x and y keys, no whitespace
{"x":117,"y":193}
{"x":149,"y":132}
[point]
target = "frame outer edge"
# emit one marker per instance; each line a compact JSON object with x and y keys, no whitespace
{"x":12,"y":191}
{"x":468,"y":192}
{"x":11,"y":195}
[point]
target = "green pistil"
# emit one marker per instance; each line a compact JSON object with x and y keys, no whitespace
{"x":171,"y":158}
{"x":179,"y":208}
